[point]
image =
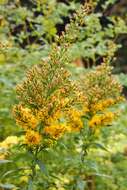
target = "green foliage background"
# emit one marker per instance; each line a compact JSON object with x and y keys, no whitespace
{"x":27,"y":31}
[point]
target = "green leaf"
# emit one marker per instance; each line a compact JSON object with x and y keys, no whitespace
{"x":63,"y":145}
{"x":5,"y":161}
{"x":42,"y":167}
{"x":123,"y":79}
{"x":98,"y":145}
{"x":102,"y":175}
{"x":7,"y":186}
{"x":7,"y":173}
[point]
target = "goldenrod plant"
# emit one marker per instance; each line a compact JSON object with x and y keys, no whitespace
{"x":27,"y":29}
{"x":53,"y":104}
{"x":62,"y":116}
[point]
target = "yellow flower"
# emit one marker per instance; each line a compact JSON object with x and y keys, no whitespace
{"x":120,"y":99}
{"x":107,"y":118}
{"x":56,"y":130}
{"x":42,"y":114}
{"x":96,"y":120}
{"x":24,"y":117}
{"x":75,"y":126}
{"x":9,"y":141}
{"x":2,"y":156}
{"x":24,"y":179}
{"x":103,"y":104}
{"x":75,"y":123}
{"x":74,"y":113}
{"x":85,"y":110}
{"x":52,"y":118}
{"x":32,"y":138}
{"x":64,"y":102}
{"x":102,"y":119}
{"x":101,"y":87}
{"x":6,"y":144}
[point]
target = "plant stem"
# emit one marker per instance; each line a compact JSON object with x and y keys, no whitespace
{"x":33,"y":169}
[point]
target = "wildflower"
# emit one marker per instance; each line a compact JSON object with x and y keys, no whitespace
{"x":55,"y":131}
{"x":101,"y":87}
{"x":32,"y":138}
{"x":53,"y":117}
{"x":75,"y":126}
{"x":102,"y":119}
{"x":9,"y":141}
{"x":102,"y":91}
{"x":120,"y":99}
{"x":75,"y":123}
{"x":2,"y":156}
{"x":24,"y":117}
{"x":45,"y":96}
{"x":85,"y":110}
{"x":103,"y":104}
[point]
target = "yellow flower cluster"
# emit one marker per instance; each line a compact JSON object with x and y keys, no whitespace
{"x":6,"y":144}
{"x":53,"y":118}
{"x":102,"y":119}
{"x":51,"y":104}
{"x":28,"y":121}
{"x":45,"y":96}
{"x":75,"y":123}
{"x":102,"y":105}
{"x":56,"y":130}
{"x":32,"y":138}
{"x":100,"y":85}
{"x":25,"y":117}
{"x":103,"y":92}
{"x":9,"y":141}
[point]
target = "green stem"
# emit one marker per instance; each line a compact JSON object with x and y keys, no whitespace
{"x":33,"y":169}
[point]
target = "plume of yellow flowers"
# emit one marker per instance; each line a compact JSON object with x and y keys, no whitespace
{"x":48,"y":97}
{"x":103,"y":92}
{"x":51,"y":103}
{"x":45,"y":96}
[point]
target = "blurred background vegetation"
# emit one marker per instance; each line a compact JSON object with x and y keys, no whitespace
{"x":27,"y":31}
